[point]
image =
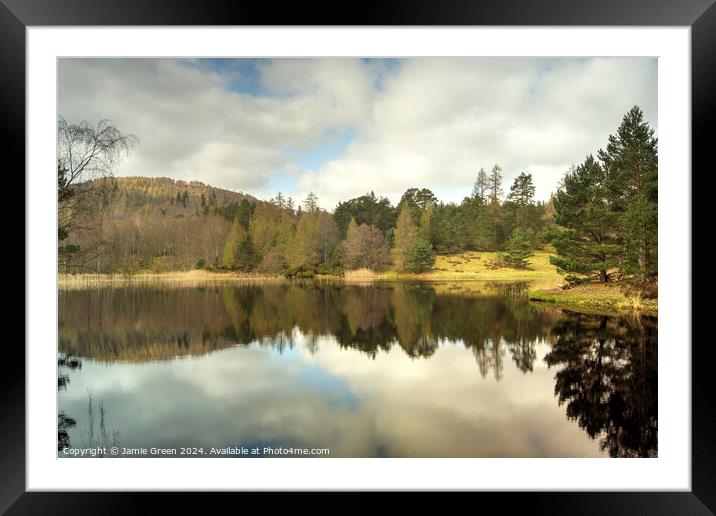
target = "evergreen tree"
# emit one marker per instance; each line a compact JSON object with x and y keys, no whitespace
{"x":366,"y":209}
{"x":310,"y":203}
{"x":520,"y":202}
{"x":422,"y":256}
{"x":631,"y":164}
{"x":279,"y":200}
{"x":245,"y":257}
{"x":417,"y":200}
{"x":587,"y":238}
{"x":244,"y":213}
{"x":519,"y":248}
{"x":449,"y":228}
{"x":494,"y":210}
{"x":522,"y":191}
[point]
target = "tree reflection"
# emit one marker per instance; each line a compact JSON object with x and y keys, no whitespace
{"x":606,"y":374}
{"x":608,"y":380}
{"x":65,"y":422}
{"x":141,"y":324}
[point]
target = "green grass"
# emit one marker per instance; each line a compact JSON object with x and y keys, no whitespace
{"x":596,"y":297}
{"x":479,"y":266}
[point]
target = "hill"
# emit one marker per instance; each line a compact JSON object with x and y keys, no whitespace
{"x":156,"y":224}
{"x":168,"y":197}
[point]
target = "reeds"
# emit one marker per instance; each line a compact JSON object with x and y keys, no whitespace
{"x":179,"y":279}
{"x":360,"y":276}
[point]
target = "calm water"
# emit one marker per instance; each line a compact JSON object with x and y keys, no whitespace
{"x":394,"y":370}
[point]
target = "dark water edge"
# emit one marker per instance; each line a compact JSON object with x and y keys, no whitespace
{"x":385,"y":370}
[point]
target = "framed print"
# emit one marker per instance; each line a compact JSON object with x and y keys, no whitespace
{"x":417,"y":253}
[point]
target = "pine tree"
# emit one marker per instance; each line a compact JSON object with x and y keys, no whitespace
{"x":417,"y":200}
{"x":422,"y":256}
{"x":245,"y":257}
{"x":494,"y":210}
{"x":244,"y":213}
{"x":631,"y":164}
{"x":521,"y":200}
{"x":519,"y":248}
{"x":280,"y":202}
{"x":310,"y":203}
{"x":522,"y":191}
{"x":587,"y":238}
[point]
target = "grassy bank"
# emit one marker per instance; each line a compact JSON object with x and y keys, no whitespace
{"x":603,"y":298}
{"x":482,"y":266}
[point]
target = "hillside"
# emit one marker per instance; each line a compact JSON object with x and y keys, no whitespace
{"x":155,"y":224}
{"x":168,"y":197}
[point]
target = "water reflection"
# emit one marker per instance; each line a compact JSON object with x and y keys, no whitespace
{"x":383,"y":370}
{"x":608,"y":380}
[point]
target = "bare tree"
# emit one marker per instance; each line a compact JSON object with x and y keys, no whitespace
{"x":86,"y":157}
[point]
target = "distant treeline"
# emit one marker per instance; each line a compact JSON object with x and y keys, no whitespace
{"x":602,"y":222}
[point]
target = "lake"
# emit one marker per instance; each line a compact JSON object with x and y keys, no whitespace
{"x":380,"y":370}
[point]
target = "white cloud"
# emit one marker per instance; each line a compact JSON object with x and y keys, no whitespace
{"x":430,"y":123}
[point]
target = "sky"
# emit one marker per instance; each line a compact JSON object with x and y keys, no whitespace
{"x":342,"y":127}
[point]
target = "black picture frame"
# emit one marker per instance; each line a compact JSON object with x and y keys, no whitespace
{"x":700,"y":15}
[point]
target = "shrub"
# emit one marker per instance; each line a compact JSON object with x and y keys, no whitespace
{"x":519,"y":247}
{"x":273,"y":263}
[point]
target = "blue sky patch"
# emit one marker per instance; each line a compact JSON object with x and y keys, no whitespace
{"x":333,"y":144}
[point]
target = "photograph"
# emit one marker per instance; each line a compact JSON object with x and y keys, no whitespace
{"x":357,"y":257}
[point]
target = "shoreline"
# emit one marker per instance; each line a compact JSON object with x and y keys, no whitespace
{"x":595,"y":298}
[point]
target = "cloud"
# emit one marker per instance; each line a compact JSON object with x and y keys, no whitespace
{"x":428,"y":122}
{"x":355,"y":405}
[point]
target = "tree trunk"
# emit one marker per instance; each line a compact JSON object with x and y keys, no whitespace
{"x":603,"y":276}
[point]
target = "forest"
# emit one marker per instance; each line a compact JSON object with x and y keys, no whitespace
{"x":600,"y":222}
